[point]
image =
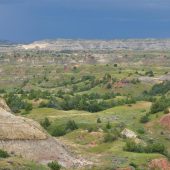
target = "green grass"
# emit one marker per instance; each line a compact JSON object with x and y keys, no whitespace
{"x":91,"y":145}
{"x":17,"y":163}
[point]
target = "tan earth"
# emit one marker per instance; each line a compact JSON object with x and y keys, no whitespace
{"x":15,"y":127}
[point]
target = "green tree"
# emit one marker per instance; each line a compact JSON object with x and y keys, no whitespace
{"x":144,"y":119}
{"x":99,"y":120}
{"x":71,"y":125}
{"x":45,"y":123}
{"x":108,"y":125}
{"x":3,"y":154}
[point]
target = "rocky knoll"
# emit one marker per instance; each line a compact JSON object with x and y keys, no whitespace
{"x":25,"y":137}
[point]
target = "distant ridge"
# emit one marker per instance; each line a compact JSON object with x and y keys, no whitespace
{"x":116,"y":44}
{"x":6,"y":42}
{"x":88,"y":45}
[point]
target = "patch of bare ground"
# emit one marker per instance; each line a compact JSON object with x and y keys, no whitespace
{"x":159,"y":164}
{"x":165,"y":121}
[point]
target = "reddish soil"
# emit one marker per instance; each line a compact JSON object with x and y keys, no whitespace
{"x":92,"y":144}
{"x":165,"y":121}
{"x":159,"y":164}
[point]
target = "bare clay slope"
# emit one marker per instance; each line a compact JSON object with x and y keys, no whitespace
{"x":25,"y":137}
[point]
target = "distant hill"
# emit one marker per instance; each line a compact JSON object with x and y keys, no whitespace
{"x":77,"y":45}
{"x":6,"y":42}
{"x":89,"y":45}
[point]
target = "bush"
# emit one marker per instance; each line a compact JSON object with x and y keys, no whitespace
{"x":42,"y":104}
{"x":28,"y":107}
{"x":141,"y":130}
{"x":45,"y":123}
{"x":109,"y":86}
{"x":14,"y":102}
{"x":99,"y":120}
{"x":2,"y":91}
{"x":58,"y":131}
{"x":131,"y":146}
{"x":109,"y":137}
{"x":161,"y":88}
{"x":156,"y":148}
{"x":54,"y":165}
{"x":108,"y":125}
{"x":144,"y":119}
{"x":160,"y":105}
{"x":133,"y":165}
{"x":71,"y":125}
{"x":17,"y":103}
{"x":166,"y":111}
{"x":3,"y":154}
{"x":150,"y":73}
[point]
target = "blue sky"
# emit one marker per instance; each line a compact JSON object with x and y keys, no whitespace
{"x":29,"y":20}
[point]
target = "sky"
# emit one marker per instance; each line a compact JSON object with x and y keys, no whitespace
{"x":30,"y":20}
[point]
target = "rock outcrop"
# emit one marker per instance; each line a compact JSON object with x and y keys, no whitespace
{"x":128,"y":134}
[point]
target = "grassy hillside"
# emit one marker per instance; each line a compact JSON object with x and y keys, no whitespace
{"x":87,"y":107}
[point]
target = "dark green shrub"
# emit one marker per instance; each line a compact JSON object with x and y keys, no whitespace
{"x":166,"y":111}
{"x":109,"y":86}
{"x":108,"y":125}
{"x":160,"y":105}
{"x":132,"y":146}
{"x":54,"y":165}
{"x":2,"y":91}
{"x":144,"y":119}
{"x":133,"y":165}
{"x":99,"y":120}
{"x":71,"y":125}
{"x":42,"y":104}
{"x":58,"y":131}
{"x":109,"y":137}
{"x":141,"y":130}
{"x":45,"y":123}
{"x":3,"y":154}
{"x":161,"y":88}
{"x":28,"y":107}
{"x":149,"y":73}
{"x":156,"y":148}
{"x":14,"y":102}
